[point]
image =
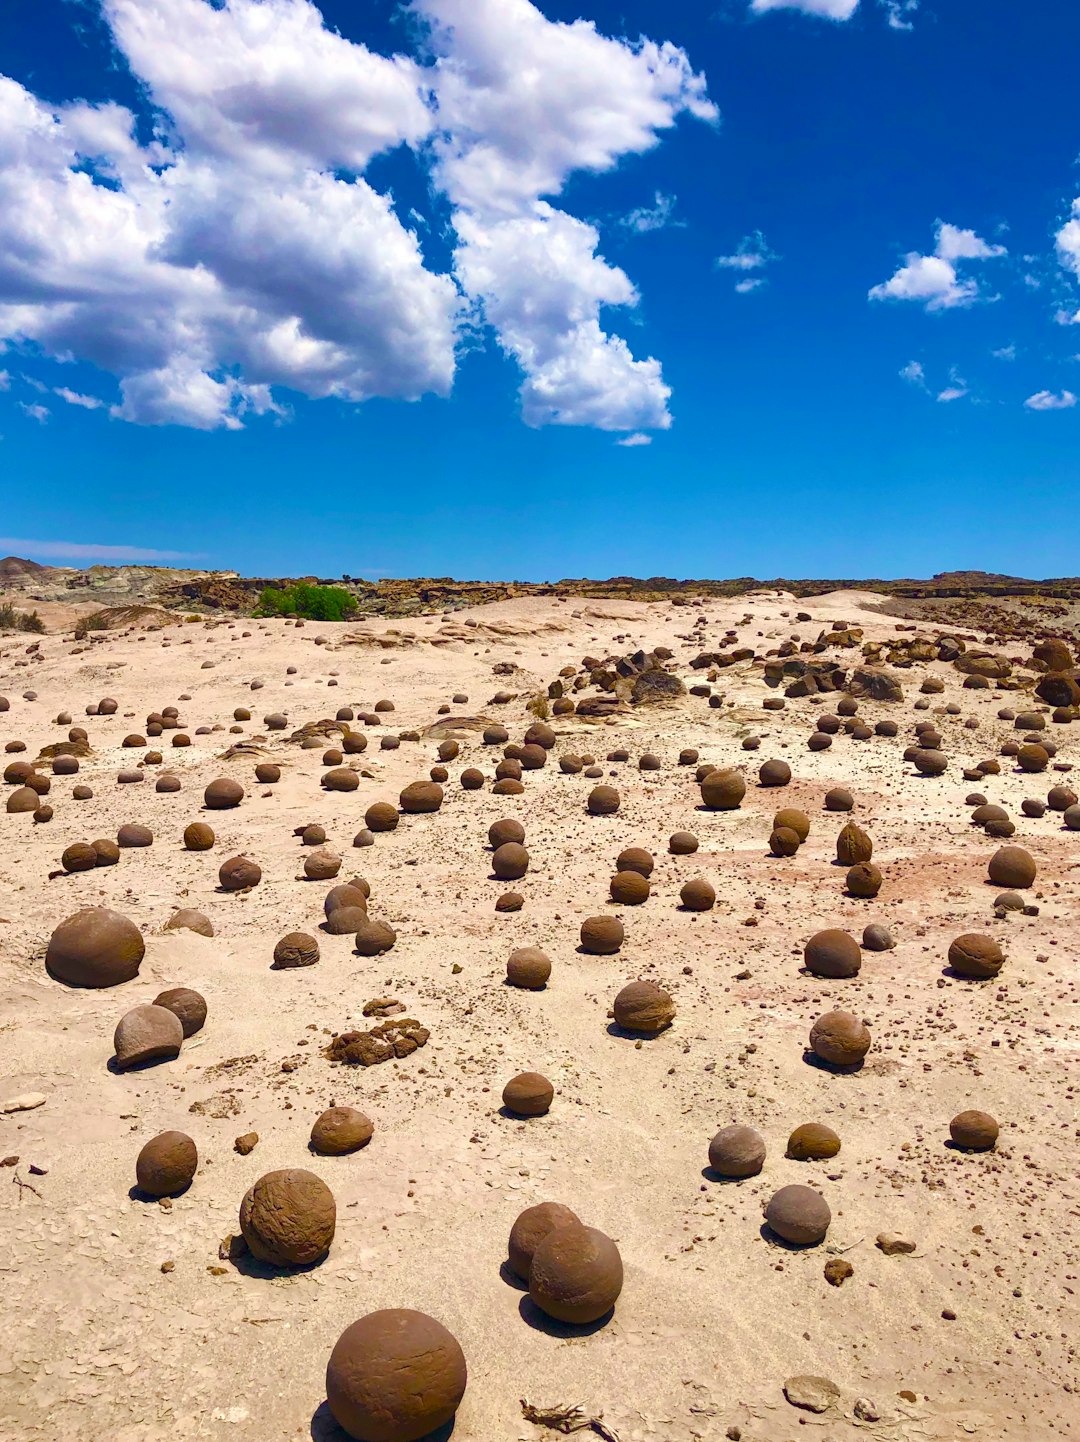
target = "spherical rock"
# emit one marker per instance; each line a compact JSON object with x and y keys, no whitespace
{"x":682,"y":843}
{"x":381,"y":816}
{"x":812,"y":1142}
{"x":529,"y":968}
{"x":321,"y":865}
{"x":131,"y":834}
{"x":642,"y":1006}
{"x":863,"y":880}
{"x":853,"y":845}
{"x":239,"y":873}
{"x":530,"y":1229}
{"x":347,"y":894}
{"x":877,"y":938}
{"x":783,"y":841}
{"x":528,"y":1094}
{"x":629,"y":887}
{"x":106,"y":851}
{"x":737,"y":1152}
{"x":839,"y":799}
{"x":222,"y":794}
{"x":510,"y":861}
{"x":576,"y":1274}
{"x":500,"y":832}
{"x":341,"y":778}
{"x":186,"y":1004}
{"x":510,"y":901}
{"x":839,"y":1038}
{"x":395,"y":1376}
{"x":975,"y":956}
{"x":166,"y":1164}
{"x":186,"y":919}
{"x":799,"y":1215}
{"x":267,"y":773}
{"x":603,"y":801}
{"x":832,"y":953}
{"x":1071,"y":818}
{"x":147,"y":1033}
{"x":79,"y":856}
{"x":341,"y":1130}
{"x":974,"y":1131}
{"x":1060,"y":798}
{"x":788,"y":818}
{"x":95,"y":948}
{"x":296,"y":948}
{"x":697,"y":894}
{"x":774,"y":773}
{"x":635,"y":858}
{"x":471,"y":779}
{"x":198,"y":836}
{"x":1012,"y":867}
{"x":540,"y":734}
{"x":420,"y":797}
{"x":24,"y":799}
{"x":346,"y":919}
{"x":601,"y":935}
{"x":371,"y":937}
{"x":723,"y":790}
{"x":288,"y":1217}
{"x":930,"y":762}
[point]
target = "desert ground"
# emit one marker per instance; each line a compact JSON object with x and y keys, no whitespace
{"x":125,"y":1319}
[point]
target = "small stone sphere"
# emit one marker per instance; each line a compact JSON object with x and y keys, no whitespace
{"x":688,"y":756}
{"x":341,"y":1130}
{"x":508,"y":787}
{"x":348,"y":893}
{"x":166,"y":1164}
{"x":395,"y":1376}
{"x":570,"y":765}
{"x":648,"y":762}
{"x":783,"y":841}
{"x":839,"y":799}
{"x":471,"y":779}
{"x":1071,"y":818}
{"x":296,"y":948}
{"x":354,"y":743}
{"x":313,"y":835}
{"x":603,"y":801}
{"x":540,"y":734}
{"x":186,"y":919}
{"x":510,"y":901}
{"x":974,"y":1131}
{"x":95,"y":948}
{"x":839,"y":1038}
{"x":267,"y":773}
{"x":16,"y":772}
{"x":495,"y":735}
{"x":528,"y":1094}
{"x":1060,"y":798}
{"x":341,"y":778}
{"x":198,"y":836}
{"x":132,"y":834}
{"x":381,"y":816}
{"x":167,"y":784}
{"x":147,"y":1033}
{"x":82,"y":793}
{"x":500,"y":832}
{"x":186,"y":1004}
{"x":723,"y":790}
{"x":530,"y":1229}
{"x":818,"y":741}
{"x":832,"y":953}
{"x":222,"y":794}
{"x":635,"y":858}
{"x":812,"y":1142}
{"x":1032,"y":757}
{"x":24,"y":799}
{"x":774,"y":773}
{"x":241,"y":714}
{"x":930,"y":762}
{"x":1012,"y":867}
{"x":65,"y":765}
{"x":363,"y":838}
{"x":697,"y":894}
{"x":737,"y":1152}
{"x":420,"y":797}
{"x":644,"y":1007}
{"x":371,"y":937}
{"x":791,"y":819}
{"x":288,"y":1218}
{"x":877,"y":938}
{"x":629,"y":887}
{"x":533,"y":757}
{"x":984,"y":814}
{"x":886,"y":728}
{"x":79,"y":856}
{"x":853,"y":845}
{"x":510,"y":861}
{"x":576,"y":1275}
{"x":43,"y":813}
{"x":239,"y":873}
{"x":975,"y":956}
{"x":321,"y":865}
{"x":601,"y":935}
{"x":508,"y":769}
{"x":799,"y":1215}
{"x":107,"y":851}
{"x":682,"y":843}
{"x":346,"y":920}
{"x":863,"y":880}
{"x":529,"y":968}
{"x":1000,"y":830}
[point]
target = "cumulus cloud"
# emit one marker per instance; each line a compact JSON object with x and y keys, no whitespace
{"x":1051,"y":401}
{"x":932,"y":280}
{"x":87,"y":551}
{"x":827,"y":9}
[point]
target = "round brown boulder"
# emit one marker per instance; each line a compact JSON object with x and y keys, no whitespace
{"x":530,"y":1229}
{"x":863,"y":880}
{"x":528,"y":968}
{"x":321,"y":865}
{"x":420,"y":797}
{"x":528,"y":1094}
{"x":267,"y":773}
{"x":186,"y":919}
{"x":629,"y":887}
{"x":132,"y":835}
{"x":975,"y":956}
{"x":603,"y":801}
{"x":853,"y":845}
{"x":601,"y":935}
{"x":636,"y":858}
{"x":288,"y":1217}
{"x":296,"y":948}
{"x":697,"y":894}
{"x":471,"y":779}
{"x":1033,"y":757}
{"x":395,"y":1376}
{"x":723,"y":790}
{"x":832,"y":953}
{"x":372,"y":938}
{"x":783,"y":841}
{"x":799,"y":1215}
{"x":381,"y":816}
{"x":147,"y":1033}
{"x":1012,"y":867}
{"x":24,"y":799}
{"x":839,"y":1038}
{"x":812,"y":1142}
{"x":341,"y":778}
{"x":737,"y":1152}
{"x":347,"y":894}
{"x":95,"y":948}
{"x":576,"y":1274}
{"x":974,"y":1131}
{"x":166,"y":1164}
{"x":198,"y":836}
{"x":682,"y":843}
{"x":644,"y":1007}
{"x":222,"y":794}
{"x":791,"y":819}
{"x":185,"y":1004}
{"x":106,"y":851}
{"x":839,"y":799}
{"x":510,"y":861}
{"x":238,"y":874}
{"x":774,"y":773}
{"x":341,"y":1130}
{"x":500,"y":832}
{"x":347,"y":918}
{"x":79,"y":856}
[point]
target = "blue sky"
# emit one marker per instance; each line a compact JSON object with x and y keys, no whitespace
{"x":818,"y":271}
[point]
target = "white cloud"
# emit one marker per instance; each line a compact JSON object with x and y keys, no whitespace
{"x":1005,"y":353}
{"x":5,"y":380}
{"x":953,"y":393}
{"x":87,"y":551}
{"x":510,"y":135}
{"x":1049,"y":401}
{"x":751,"y":254}
{"x":637,"y":438}
{"x":73,"y":398}
{"x":36,"y":413}
{"x":914,"y":374}
{"x":652,"y":217}
{"x":932,"y":280}
{"x":827,"y":9}
{"x":1068,"y":240}
{"x":898,"y":13}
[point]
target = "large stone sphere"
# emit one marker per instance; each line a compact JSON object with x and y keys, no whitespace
{"x":853,"y":845}
{"x":186,"y":1004}
{"x":576,"y":1274}
{"x":697,"y":894}
{"x":644,"y":1007}
{"x":603,"y":801}
{"x":530,"y":1229}
{"x":528,"y":1094}
{"x":1012,"y":867}
{"x":636,"y":858}
{"x":296,"y":948}
{"x":723,"y":790}
{"x":239,"y":873}
{"x":381,"y":816}
{"x":528,"y":968}
{"x":833,"y":954}
{"x":147,"y":1033}
{"x":974,"y":1131}
{"x":629,"y":888}
{"x":341,"y":1130}
{"x":222,"y":794}
{"x":420,"y":797}
{"x":500,"y":832}
{"x":798,"y":1214}
{"x":790,"y":818}
{"x":737,"y":1152}
{"x":288,"y":1218}
{"x":198,"y":836}
{"x":774,"y":773}
{"x":510,"y":862}
{"x":601,"y":935}
{"x":812,"y":1142}
{"x":96,"y":948}
{"x":395,"y":1376}
{"x":839,"y":1038}
{"x":166,"y":1164}
{"x":975,"y":956}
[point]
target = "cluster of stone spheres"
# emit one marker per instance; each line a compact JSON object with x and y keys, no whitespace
{"x":396,"y":1375}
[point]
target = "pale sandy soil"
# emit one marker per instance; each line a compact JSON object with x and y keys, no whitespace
{"x":97,"y":1342}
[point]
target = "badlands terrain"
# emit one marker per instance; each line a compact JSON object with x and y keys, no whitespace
{"x":131,"y":1319}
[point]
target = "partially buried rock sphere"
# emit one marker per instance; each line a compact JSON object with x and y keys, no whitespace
{"x":812,"y":1142}
{"x":145,"y":1034}
{"x":977,"y":957}
{"x":166,"y":1164}
{"x":528,"y":1095}
{"x":186,"y":919}
{"x":974,"y":1131}
{"x":840,"y":1039}
{"x":1012,"y":867}
{"x":833,"y":953}
{"x":222,"y":794}
{"x":510,"y":862}
{"x":736,"y":1152}
{"x":723,"y":790}
{"x":799,"y":1215}
{"x":576,"y":1275}
{"x":644,"y":1007}
{"x":186,"y":1004}
{"x":95,"y":948}
{"x":239,"y":873}
{"x":288,"y":1218}
{"x":296,"y":948}
{"x":341,"y":1130}
{"x":420,"y":797}
{"x":395,"y":1376}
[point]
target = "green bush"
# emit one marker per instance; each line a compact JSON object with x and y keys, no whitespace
{"x":314,"y":603}
{"x":13,"y":620}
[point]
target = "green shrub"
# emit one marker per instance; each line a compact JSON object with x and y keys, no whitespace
{"x":13,"y":620}
{"x":313,"y":603}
